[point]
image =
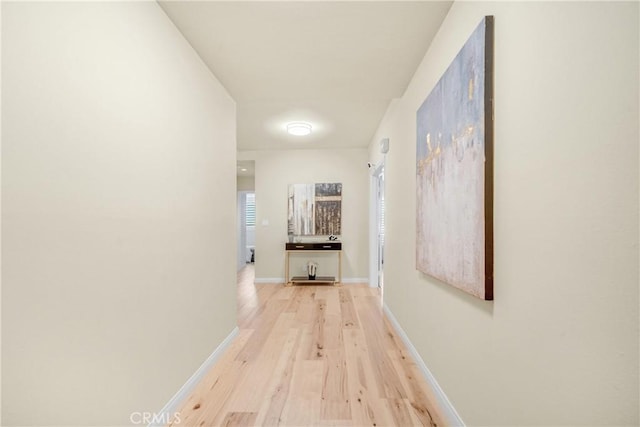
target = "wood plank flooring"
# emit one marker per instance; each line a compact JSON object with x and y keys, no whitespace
{"x":311,"y":356}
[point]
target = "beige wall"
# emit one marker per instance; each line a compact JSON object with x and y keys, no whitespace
{"x":559,"y":345}
{"x":245,"y":183}
{"x":275,"y":170}
{"x":115,"y":288}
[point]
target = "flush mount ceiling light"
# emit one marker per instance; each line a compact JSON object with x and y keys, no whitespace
{"x":299,"y":128}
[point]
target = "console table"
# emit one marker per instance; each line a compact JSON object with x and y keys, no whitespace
{"x":333,"y":247}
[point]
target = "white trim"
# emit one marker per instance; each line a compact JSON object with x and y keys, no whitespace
{"x":172,"y":405}
{"x":241,"y":229}
{"x":269,"y":280}
{"x":448,"y":411}
{"x":356,"y":280}
{"x":280,"y":280}
{"x":374,"y":173}
{"x":373,"y":258}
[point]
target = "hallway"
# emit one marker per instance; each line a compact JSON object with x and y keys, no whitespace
{"x":311,"y":355}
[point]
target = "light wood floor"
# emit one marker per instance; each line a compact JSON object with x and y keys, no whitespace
{"x":311,"y":356}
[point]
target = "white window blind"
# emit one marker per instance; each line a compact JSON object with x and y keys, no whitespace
{"x":251,"y":209}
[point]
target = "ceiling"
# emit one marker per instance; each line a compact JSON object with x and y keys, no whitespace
{"x":336,"y":65}
{"x":246,"y":168}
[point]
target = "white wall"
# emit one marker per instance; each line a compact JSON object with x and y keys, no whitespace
{"x":275,"y":170}
{"x":251,"y":235}
{"x":559,"y":345}
{"x":115,"y":285}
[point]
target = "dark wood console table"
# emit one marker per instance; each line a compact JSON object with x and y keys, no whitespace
{"x":333,"y":247}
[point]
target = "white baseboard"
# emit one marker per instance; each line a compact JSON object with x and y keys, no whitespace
{"x":448,"y":411}
{"x":280,"y":280}
{"x":364,"y":280}
{"x":172,"y":405}
{"x":269,"y":280}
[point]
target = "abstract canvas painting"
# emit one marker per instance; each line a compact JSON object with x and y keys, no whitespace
{"x":314,"y":209}
{"x":454,"y":171}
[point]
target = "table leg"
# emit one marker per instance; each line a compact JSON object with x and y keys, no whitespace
{"x":286,"y":269}
{"x":339,"y":267}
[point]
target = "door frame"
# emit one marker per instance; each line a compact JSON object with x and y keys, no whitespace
{"x":373,"y":222}
{"x":242,"y":229}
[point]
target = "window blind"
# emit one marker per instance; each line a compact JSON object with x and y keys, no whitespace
{"x":251,"y":210}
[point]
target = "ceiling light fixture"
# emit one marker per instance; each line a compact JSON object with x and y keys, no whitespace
{"x":299,"y":128}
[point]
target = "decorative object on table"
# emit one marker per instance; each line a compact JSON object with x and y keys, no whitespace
{"x":333,"y":238}
{"x":454,"y":165}
{"x":314,"y":209}
{"x":312,"y":267}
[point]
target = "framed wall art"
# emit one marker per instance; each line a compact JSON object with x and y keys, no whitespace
{"x":315,"y":209}
{"x":454,"y":170}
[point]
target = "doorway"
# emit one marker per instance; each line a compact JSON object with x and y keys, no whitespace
{"x":250,"y":228}
{"x":246,"y":214}
{"x":246,"y":228}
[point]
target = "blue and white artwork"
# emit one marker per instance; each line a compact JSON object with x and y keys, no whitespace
{"x":454,"y":168}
